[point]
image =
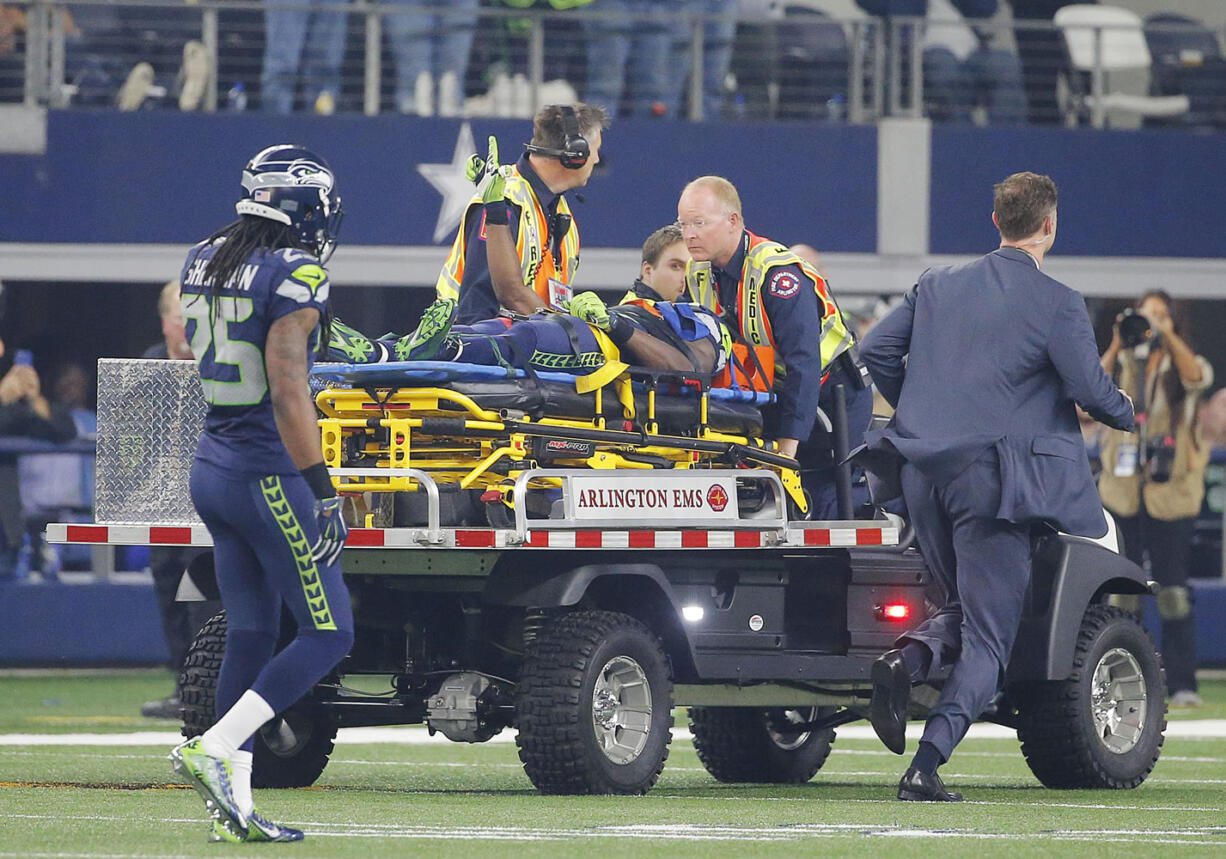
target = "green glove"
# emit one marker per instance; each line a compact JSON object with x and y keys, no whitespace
{"x":479,"y":168}
{"x":589,"y":307}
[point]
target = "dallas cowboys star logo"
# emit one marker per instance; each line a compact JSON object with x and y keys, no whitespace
{"x":448,"y":180}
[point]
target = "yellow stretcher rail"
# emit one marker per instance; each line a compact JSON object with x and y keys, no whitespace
{"x":454,"y":439}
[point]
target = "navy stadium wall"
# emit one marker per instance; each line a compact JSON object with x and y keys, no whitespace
{"x":163,"y":177}
{"x":1136,"y":193}
{"x":66,"y":625}
{"x":172,"y":178}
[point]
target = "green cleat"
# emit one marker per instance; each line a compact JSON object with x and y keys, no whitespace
{"x":347,"y":344}
{"x":223,"y":831}
{"x":259,"y":828}
{"x":212,"y":778}
{"x":430,"y":336}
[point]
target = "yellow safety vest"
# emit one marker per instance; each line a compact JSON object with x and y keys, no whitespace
{"x":762,"y":256}
{"x":530,"y":243}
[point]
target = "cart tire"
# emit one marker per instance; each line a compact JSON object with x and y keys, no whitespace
{"x":290,"y":751}
{"x":594,"y":706}
{"x":741,"y":744}
{"x":1102,"y":727}
{"x":198,"y":676}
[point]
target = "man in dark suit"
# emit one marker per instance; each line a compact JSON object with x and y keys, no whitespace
{"x":983,"y":363}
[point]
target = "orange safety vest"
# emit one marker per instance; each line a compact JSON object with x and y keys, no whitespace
{"x":763,"y":256}
{"x":531,"y":243}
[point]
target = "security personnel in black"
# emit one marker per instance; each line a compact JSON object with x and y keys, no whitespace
{"x":984,"y":363}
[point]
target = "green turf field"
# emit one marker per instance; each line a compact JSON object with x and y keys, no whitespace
{"x":428,"y":799}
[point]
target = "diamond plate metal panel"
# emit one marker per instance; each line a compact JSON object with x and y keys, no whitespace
{"x":150,"y":414}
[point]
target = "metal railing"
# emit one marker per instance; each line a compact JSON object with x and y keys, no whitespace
{"x":798,"y":65}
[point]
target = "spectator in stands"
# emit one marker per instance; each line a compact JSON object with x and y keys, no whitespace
{"x":631,"y":48}
{"x":1043,"y":56}
{"x":58,"y":486}
{"x":180,"y":620}
{"x":431,"y":55}
{"x":12,"y":49}
{"x":718,"y":34}
{"x":961,"y":65}
{"x":93,"y":65}
{"x":174,"y":64}
{"x":1155,"y":491}
{"x":25,"y":411}
{"x":302,"y":40}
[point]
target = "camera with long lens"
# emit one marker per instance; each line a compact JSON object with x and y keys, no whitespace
{"x":1160,"y":458}
{"x":1134,"y":328}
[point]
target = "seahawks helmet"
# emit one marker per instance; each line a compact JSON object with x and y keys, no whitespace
{"x":294,"y":186}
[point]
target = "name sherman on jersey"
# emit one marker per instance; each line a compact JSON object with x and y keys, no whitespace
{"x":240,"y":281}
{"x":228,"y":333}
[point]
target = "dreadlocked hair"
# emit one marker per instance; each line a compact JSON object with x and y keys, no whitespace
{"x":238,"y":241}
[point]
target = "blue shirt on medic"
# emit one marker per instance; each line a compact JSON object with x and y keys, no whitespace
{"x":797,"y":327}
{"x":240,"y":433}
{"x":477,"y":299}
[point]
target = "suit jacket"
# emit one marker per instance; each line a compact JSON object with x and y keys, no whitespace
{"x":994,"y":353}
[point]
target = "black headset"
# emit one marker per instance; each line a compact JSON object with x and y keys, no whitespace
{"x":575,"y":151}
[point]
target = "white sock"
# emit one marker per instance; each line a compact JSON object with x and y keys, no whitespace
{"x":240,"y":722}
{"x":241,"y":765}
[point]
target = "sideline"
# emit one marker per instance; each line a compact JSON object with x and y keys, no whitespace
{"x":417,"y":735}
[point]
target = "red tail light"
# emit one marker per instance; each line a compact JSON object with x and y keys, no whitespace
{"x":894,"y":611}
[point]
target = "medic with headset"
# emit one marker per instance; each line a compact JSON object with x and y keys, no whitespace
{"x":531,"y":266}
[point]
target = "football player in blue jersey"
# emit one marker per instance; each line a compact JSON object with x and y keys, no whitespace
{"x":665,"y":335}
{"x":254,"y":295}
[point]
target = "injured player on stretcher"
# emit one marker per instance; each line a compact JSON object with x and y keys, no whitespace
{"x":662,"y":335}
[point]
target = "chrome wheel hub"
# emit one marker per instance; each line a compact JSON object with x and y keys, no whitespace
{"x":621,"y":709}
{"x":1118,"y":700}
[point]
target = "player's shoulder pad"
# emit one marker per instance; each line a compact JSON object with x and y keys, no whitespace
{"x":295,"y":256}
{"x":305,"y":280}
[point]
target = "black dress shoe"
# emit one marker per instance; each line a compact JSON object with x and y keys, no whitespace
{"x":165,"y":708}
{"x":891,"y":694}
{"x":921,"y":787}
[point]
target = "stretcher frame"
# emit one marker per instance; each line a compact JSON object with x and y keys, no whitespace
{"x":377,"y":437}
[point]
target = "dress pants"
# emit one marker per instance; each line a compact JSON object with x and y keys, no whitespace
{"x":983,"y":563}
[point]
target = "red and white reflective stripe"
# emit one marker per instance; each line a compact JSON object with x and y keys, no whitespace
{"x":700,"y":539}
{"x":130,"y":535}
{"x":820,"y":534}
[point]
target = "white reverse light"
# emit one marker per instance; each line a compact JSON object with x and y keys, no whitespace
{"x":692,"y":613}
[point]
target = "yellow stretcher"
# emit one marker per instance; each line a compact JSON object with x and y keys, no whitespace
{"x":477,"y":428}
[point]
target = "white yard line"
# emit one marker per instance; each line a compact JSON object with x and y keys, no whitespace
{"x":1192,"y":835}
{"x":413,"y":735}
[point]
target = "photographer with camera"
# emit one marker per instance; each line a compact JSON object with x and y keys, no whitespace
{"x":1164,"y":464}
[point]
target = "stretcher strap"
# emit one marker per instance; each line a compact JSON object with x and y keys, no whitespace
{"x":613,"y":370}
